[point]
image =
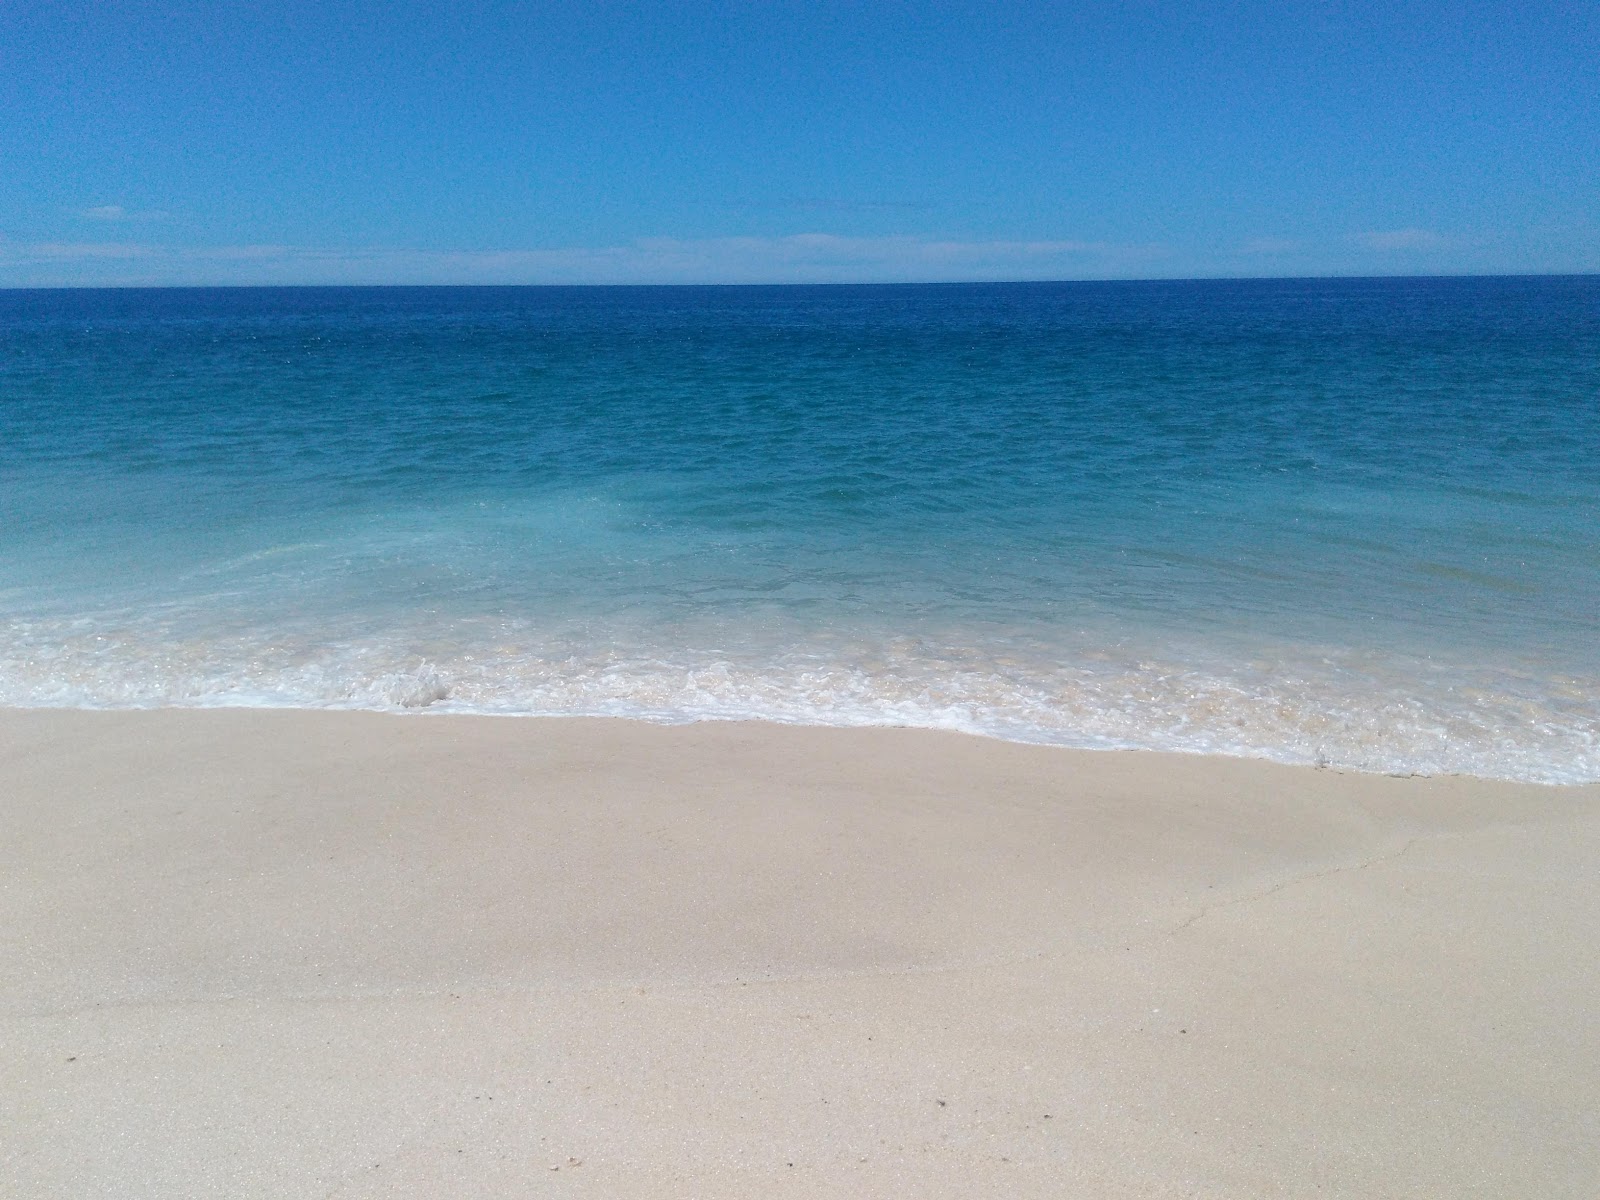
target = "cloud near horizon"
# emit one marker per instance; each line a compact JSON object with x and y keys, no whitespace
{"x":1401,"y":239}
{"x":797,"y":258}
{"x":116,"y":212}
{"x":1272,"y":245}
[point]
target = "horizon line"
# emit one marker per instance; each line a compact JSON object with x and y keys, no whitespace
{"x":853,"y":283}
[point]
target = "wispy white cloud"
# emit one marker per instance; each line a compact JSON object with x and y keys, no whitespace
{"x":826,"y":204}
{"x":799,"y":258}
{"x":1271,"y":245}
{"x":115,"y":212}
{"x":1401,"y":239}
{"x":73,"y":251}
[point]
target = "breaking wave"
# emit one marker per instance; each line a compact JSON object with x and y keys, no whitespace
{"x":1314,"y":706}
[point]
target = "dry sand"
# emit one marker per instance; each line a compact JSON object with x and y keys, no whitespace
{"x":311,"y":954}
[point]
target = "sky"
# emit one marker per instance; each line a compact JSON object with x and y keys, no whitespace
{"x":347,"y":141}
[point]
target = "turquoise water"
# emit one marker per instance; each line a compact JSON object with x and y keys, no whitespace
{"x":1354,"y":522}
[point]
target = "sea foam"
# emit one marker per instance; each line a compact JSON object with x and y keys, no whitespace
{"x":1330,"y":708}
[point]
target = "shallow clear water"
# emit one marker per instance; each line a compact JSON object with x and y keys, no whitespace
{"x":1348,"y":521}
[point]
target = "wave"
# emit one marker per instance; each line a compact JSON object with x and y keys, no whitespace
{"x":1307,"y":705}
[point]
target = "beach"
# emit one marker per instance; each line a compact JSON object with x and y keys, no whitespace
{"x":279,"y":953}
{"x":828,"y":602}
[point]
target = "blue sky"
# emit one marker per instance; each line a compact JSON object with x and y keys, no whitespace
{"x":346,"y":142}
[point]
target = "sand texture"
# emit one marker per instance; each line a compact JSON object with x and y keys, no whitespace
{"x":286,"y":954}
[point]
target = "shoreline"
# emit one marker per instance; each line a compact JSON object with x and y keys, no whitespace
{"x":296,"y":952}
{"x":675,"y":721}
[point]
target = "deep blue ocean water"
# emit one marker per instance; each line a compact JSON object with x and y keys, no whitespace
{"x":1354,"y":521}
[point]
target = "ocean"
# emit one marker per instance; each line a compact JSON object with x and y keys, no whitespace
{"x":1346,"y":522}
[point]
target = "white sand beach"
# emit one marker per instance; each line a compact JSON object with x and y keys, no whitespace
{"x":295,"y":954}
